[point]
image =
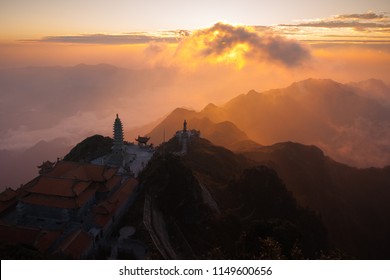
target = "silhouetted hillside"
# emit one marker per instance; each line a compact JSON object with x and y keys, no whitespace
{"x":353,"y":202}
{"x":218,"y":208}
{"x":90,"y":149}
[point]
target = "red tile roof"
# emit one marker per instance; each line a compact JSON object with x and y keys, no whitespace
{"x":46,"y":239}
{"x":8,"y":194}
{"x":82,"y":171}
{"x":70,"y":185}
{"x":59,"y":187}
{"x":8,"y":199}
{"x":50,"y":201}
{"x":111,"y":183}
{"x":109,"y":172}
{"x":76,"y":244}
{"x":40,"y":239}
{"x":108,"y":208}
{"x":62,"y":168}
{"x":60,"y":201}
{"x":18,"y":235}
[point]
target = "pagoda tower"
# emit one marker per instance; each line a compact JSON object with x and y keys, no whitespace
{"x":116,"y":157}
{"x":118,"y":135}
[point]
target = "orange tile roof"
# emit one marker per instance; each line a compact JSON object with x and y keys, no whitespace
{"x":105,"y":210}
{"x":46,"y":239}
{"x":8,"y":199}
{"x":69,"y":185}
{"x":58,"y":187}
{"x":76,"y":244}
{"x":50,"y":201}
{"x":69,"y":180}
{"x":62,"y":168}
{"x":29,"y":184}
{"x":18,"y":235}
{"x":82,"y":171}
{"x":94,"y":172}
{"x":79,"y":187}
{"x":40,"y":239}
{"x":8,"y":194}
{"x":59,"y":201}
{"x":109,"y":172}
{"x":111,"y":183}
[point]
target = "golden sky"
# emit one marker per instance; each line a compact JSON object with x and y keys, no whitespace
{"x":211,"y":51}
{"x":28,"y":19}
{"x":66,"y":33}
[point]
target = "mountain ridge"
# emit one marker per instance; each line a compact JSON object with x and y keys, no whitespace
{"x":338,"y":192}
{"x":348,"y":125}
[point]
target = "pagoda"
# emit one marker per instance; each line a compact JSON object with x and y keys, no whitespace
{"x":116,"y":157}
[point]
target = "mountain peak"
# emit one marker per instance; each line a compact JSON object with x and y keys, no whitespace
{"x":252,"y":91}
{"x":210,"y":107}
{"x":312,"y":82}
{"x":180,"y":110}
{"x":371,"y":84}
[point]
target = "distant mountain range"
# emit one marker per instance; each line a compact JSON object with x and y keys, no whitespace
{"x":351,"y":123}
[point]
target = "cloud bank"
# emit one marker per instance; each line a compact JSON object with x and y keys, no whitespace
{"x":369,"y":20}
{"x":237,"y":44}
{"x":117,"y":39}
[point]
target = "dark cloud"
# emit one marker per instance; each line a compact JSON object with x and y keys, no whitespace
{"x":364,"y":21}
{"x":118,"y":39}
{"x":222,"y":38}
{"x":342,"y":24}
{"x":368,"y":15}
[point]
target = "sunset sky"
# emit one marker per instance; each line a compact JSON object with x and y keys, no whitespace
{"x":68,"y":67}
{"x":122,"y":32}
{"x":32,"y":19}
{"x":199,"y":51}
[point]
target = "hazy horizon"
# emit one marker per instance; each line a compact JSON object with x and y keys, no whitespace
{"x":67,"y":68}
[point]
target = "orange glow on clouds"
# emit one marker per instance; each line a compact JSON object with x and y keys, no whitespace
{"x":233,"y":54}
{"x":238,"y":45}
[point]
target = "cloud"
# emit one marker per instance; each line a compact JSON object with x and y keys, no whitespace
{"x":356,"y":28}
{"x":368,"y":15}
{"x":344,"y":24}
{"x":238,"y":44}
{"x":73,"y":128}
{"x":357,"y":21}
{"x":117,"y":39}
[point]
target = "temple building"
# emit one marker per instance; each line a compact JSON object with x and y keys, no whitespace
{"x":67,"y":211}
{"x":117,"y":154}
{"x":71,"y":208}
{"x":142,"y":141}
{"x":128,"y":157}
{"x":184,"y":136}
